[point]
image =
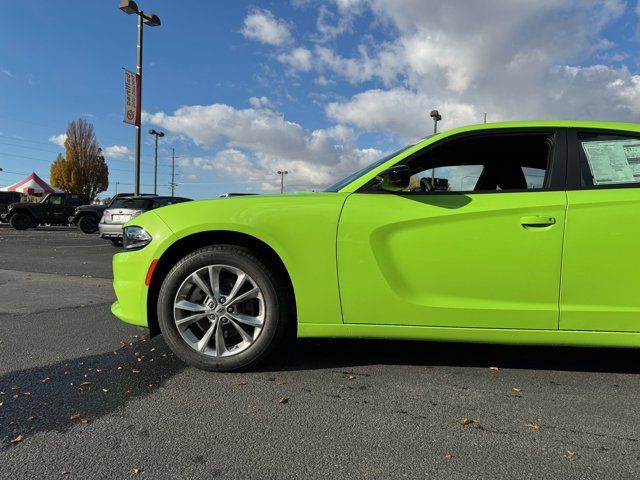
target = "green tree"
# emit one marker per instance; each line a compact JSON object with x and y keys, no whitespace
{"x":82,"y":169}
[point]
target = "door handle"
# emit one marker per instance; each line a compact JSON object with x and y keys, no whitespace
{"x":533,"y":221}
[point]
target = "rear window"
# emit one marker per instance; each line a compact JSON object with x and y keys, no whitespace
{"x":607,"y":160}
{"x":130,"y":203}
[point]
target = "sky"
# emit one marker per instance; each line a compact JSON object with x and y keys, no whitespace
{"x":317,"y":88}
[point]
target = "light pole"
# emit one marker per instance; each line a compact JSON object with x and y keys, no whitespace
{"x":282,"y":173}
{"x":117,"y":183}
{"x":436,"y":118}
{"x":130,"y":8}
{"x":155,"y":160}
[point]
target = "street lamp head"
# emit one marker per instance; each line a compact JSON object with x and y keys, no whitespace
{"x":161,"y":134}
{"x":156,"y":132}
{"x":151,"y":20}
{"x":435,"y":115}
{"x":128,"y":6}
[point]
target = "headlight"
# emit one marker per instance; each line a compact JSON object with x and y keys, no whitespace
{"x":135,"y":237}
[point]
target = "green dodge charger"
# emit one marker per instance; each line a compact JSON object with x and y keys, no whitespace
{"x":521,"y":233}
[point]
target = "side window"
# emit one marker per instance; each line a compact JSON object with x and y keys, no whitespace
{"x":608,"y":159}
{"x":56,"y":200}
{"x":486,"y":163}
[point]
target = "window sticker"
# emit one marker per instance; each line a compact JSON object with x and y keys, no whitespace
{"x":613,"y":161}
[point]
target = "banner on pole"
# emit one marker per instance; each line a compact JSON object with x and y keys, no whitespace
{"x":131,"y":98}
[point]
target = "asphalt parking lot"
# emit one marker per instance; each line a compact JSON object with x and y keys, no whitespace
{"x":83,"y":395}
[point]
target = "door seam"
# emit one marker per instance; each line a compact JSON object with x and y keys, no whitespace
{"x":564,"y":236}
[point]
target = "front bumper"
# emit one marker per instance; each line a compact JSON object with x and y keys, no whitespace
{"x":130,"y":269}
{"x":110,"y":230}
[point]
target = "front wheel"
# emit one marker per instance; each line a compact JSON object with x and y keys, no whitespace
{"x":21,"y":221}
{"x":221,"y":308}
{"x":88,"y":224}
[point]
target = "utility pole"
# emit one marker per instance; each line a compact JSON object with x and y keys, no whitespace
{"x":157,"y":134}
{"x":282,"y":173}
{"x":117,"y":183}
{"x":173,"y":170}
{"x":485,"y":117}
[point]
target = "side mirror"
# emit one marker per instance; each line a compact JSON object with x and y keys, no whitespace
{"x":394,"y":179}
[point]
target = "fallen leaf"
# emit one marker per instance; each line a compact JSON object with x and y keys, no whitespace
{"x":448,"y":456}
{"x":464,"y":421}
{"x":135,"y":470}
{"x":105,"y":390}
{"x":516,"y":390}
{"x":67,"y":372}
{"x":15,"y":387}
{"x":533,"y":426}
{"x":30,"y":418}
{"x":86,"y":383}
{"x":135,"y":371}
{"x":243,"y":382}
{"x":281,"y":382}
{"x":283,"y":400}
{"x":45,"y":380}
{"x":75,"y":417}
{"x":17,"y":439}
{"x":351,"y":377}
{"x":569,"y":453}
{"x":84,"y":421}
{"x":26,"y":394}
{"x":494,"y":369}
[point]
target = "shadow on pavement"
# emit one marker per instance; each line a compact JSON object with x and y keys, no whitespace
{"x":49,"y":398}
{"x":346,"y":353}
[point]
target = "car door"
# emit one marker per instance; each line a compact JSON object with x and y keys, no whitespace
{"x":467,"y":255}
{"x":601,"y":270}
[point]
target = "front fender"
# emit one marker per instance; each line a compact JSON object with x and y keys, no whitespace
{"x":301,"y":230}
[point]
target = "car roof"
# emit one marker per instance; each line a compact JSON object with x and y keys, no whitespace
{"x":591,"y":124}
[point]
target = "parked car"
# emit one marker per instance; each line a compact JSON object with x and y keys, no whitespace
{"x":533,"y":242}
{"x":54,"y":209}
{"x":123,"y":209}
{"x":87,"y":217}
{"x":6,"y":199}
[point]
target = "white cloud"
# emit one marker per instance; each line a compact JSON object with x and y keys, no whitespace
{"x":260,"y":102}
{"x":262,"y":26}
{"x":298,"y":59}
{"x":255,"y":143}
{"x":6,"y":72}
{"x":116,"y":151}
{"x":59,"y":139}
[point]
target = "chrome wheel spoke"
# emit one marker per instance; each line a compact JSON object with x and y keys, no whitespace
{"x":246,"y":319}
{"x":237,"y":286}
{"x":214,"y":280}
{"x":245,"y":336}
{"x":186,"y":321}
{"x":190,"y":306}
{"x":221,"y":348}
{"x":203,"y":286}
{"x":202,"y":345}
{"x":253,"y":293}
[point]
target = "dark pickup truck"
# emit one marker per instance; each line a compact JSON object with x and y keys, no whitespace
{"x":54,"y":209}
{"x":87,"y":217}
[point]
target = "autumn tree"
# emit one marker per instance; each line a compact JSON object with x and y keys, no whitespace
{"x":82,"y":169}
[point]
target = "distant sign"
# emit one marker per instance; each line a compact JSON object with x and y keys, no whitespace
{"x":131,"y":98}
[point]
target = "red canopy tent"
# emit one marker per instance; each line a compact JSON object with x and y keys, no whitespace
{"x":32,"y":184}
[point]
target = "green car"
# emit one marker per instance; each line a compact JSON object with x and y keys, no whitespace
{"x":518,"y":233}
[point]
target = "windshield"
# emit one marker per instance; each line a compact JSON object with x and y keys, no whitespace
{"x":346,"y":181}
{"x":130,"y":203}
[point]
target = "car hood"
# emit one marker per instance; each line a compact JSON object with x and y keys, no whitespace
{"x":22,"y":204}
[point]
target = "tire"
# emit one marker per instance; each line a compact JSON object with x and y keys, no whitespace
{"x":88,"y":224}
{"x":21,"y":221}
{"x":272,"y":301}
